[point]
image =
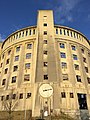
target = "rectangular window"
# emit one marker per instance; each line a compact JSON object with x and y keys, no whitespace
{"x":45,"y":24}
{"x":78,"y":77}
{"x":64,"y":65}
{"x":67,"y":32}
{"x":82,"y":50}
{"x":88,"y":79}
{"x":71,"y":95}
{"x":26,"y":33}
{"x":2,"y":98}
{"x":7,"y":61}
{"x":71,"y":34}
{"x":60,"y":31}
{"x":17,"y":49}
{"x":15,"y":68}
{"x":21,"y":96}
{"x":23,"y":34}
{"x":75,"y":57}
{"x":29,"y":46}
{"x":84,"y":59}
{"x":64,"y":32}
{"x":28,"y":95}
{"x":27,"y":77}
{"x":45,"y":64}
{"x":17,"y":58}
{"x":30,"y":32}
{"x":7,"y":97}
{"x":27,"y":66}
{"x":86,"y":69}
{"x":45,"y":52}
{"x":45,"y":77}
{"x":45,"y":41}
{"x":28,"y":55}
{"x":65,"y":76}
{"x":6,"y":70}
{"x":63,"y":55}
{"x":63,"y":95}
{"x":34,"y":32}
{"x":9,"y":52}
{"x":45,"y":32}
{"x":76,"y":67}
{"x":56,"y":31}
{"x":19,"y":35}
{"x":62,"y":45}
{"x":73,"y":47}
{"x":14,"y":96}
{"x":3,"y":81}
{"x":14,"y":79}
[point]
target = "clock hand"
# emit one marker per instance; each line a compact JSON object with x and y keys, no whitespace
{"x":47,"y":90}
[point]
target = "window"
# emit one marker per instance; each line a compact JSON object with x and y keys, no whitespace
{"x":14,"y":79}
{"x":71,"y":95}
{"x":6,"y":70}
{"x":17,"y":49}
{"x":73,"y":47}
{"x":28,"y":55}
{"x":30,"y":32}
{"x":88,"y":54}
{"x":71,"y":34}
{"x":26,"y":33}
{"x":28,"y":95}
{"x":45,"y":64}
{"x":63,"y":95}
{"x":88,"y":79}
{"x":27,"y":66}
{"x":19,"y":35}
{"x":15,"y":68}
{"x":33,"y":31}
{"x":1,"y":64}
{"x":14,"y":96}
{"x":60,"y":31}
{"x":27,"y":77}
{"x":64,"y":64}
{"x":84,"y":59}
{"x":82,"y":50}
{"x":76,"y":67}
{"x":17,"y":58}
{"x":86,"y":69}
{"x":9,"y":52}
{"x":56,"y":31}
{"x":78,"y":77}
{"x":63,"y":55}
{"x":65,"y":76}
{"x":45,"y":24}
{"x":2,"y":98}
{"x":64,"y":32}
{"x":45,"y":77}
{"x":3,"y":81}
{"x":23,"y":34}
{"x":75,"y":57}
{"x":62,"y":45}
{"x":45,"y":41}
{"x":7,"y":97}
{"x":29,"y":46}
{"x":45,"y":32}
{"x":74,"y":35}
{"x":45,"y":52}
{"x":2,"y":56}
{"x":7,"y":61}
{"x":67,"y":32}
{"x":21,"y":96}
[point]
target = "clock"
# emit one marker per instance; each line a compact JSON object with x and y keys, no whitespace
{"x":46,"y":90}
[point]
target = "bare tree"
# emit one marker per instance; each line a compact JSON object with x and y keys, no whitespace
{"x":10,"y":103}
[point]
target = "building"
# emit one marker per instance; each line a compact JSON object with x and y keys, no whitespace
{"x":48,"y":67}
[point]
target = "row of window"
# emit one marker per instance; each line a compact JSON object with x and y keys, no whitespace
{"x":29,"y":46}
{"x":14,"y":96}
{"x":69,"y":33}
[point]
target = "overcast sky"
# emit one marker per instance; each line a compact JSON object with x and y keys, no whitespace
{"x":17,"y":14}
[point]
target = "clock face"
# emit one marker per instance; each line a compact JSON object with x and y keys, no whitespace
{"x":46,"y":90}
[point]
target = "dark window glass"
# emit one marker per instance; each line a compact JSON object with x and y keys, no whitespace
{"x":29,"y":46}
{"x":26,"y":33}
{"x":88,"y":79}
{"x":45,"y":64}
{"x":78,"y":77}
{"x":19,"y":35}
{"x":82,"y":50}
{"x":27,"y":66}
{"x":63,"y":95}
{"x":45,"y":24}
{"x":84,"y":59}
{"x":6,"y":70}
{"x":7,"y":61}
{"x":17,"y":58}
{"x":21,"y":96}
{"x":75,"y":57}
{"x":71,"y":95}
{"x":64,"y":65}
{"x":30,"y":32}
{"x":9,"y":52}
{"x":2,"y":98}
{"x":14,"y":79}
{"x":63,"y":55}
{"x":62,"y":45}
{"x":7,"y":97}
{"x":86,"y":69}
{"x":45,"y":41}
{"x":28,"y":95}
{"x":45,"y":77}
{"x":73,"y":47}
{"x":3,"y":81}
{"x":22,"y":34}
{"x":45,"y":32}
{"x":45,"y":52}
{"x":65,"y":76}
{"x":64,"y":32}
{"x":76,"y":67}
{"x":67,"y":32}
{"x":15,"y":68}
{"x":27,"y":77}
{"x":33,"y":31}
{"x":18,"y":49}
{"x":14,"y":96}
{"x":60,"y":31}
{"x":56,"y":31}
{"x":28,"y":55}
{"x":71,"y":34}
